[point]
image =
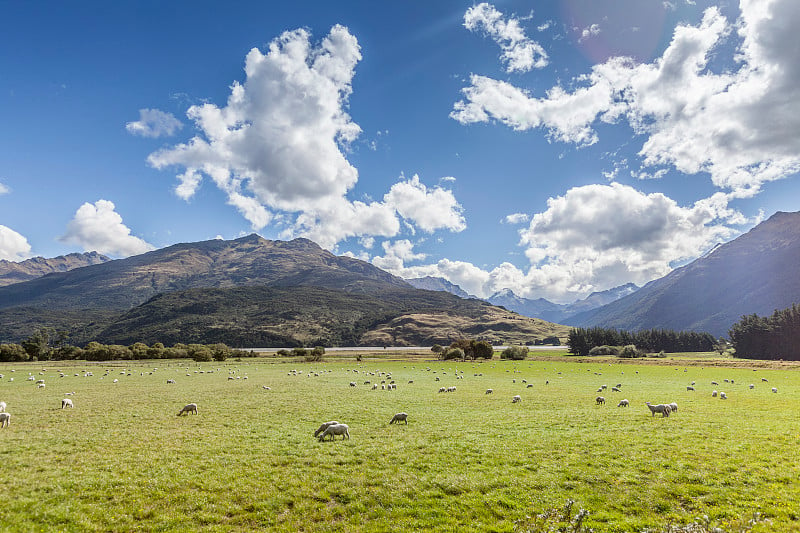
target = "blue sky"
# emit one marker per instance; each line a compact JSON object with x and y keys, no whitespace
{"x":554,"y":148}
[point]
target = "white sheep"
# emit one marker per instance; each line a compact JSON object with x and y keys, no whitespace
{"x":40,"y":386}
{"x":516,"y":399}
{"x":623,"y":403}
{"x":190,"y":408}
{"x":714,"y":394}
{"x":673,"y":407}
{"x":352,"y":383}
{"x":689,"y":388}
{"x":660,"y":408}
{"x":489,"y":391}
{"x":600,"y":400}
{"x":336,"y":429}
{"x":5,"y":419}
{"x":400,"y":417}
{"x":374,"y":386}
{"x":714,"y":383}
{"x":66,"y":402}
{"x":765,"y":380}
{"x":170,"y":381}
{"x":2,"y":407}
{"x":324,"y":426}
{"x":723,"y":396}
{"x":774,"y":389}
{"x":752,"y":386}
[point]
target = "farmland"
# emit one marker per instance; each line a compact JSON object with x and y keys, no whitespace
{"x":122,"y":460}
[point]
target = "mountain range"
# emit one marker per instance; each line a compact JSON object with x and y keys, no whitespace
{"x":250,"y":292}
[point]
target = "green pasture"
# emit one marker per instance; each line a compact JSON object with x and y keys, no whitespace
{"x":467,"y":461}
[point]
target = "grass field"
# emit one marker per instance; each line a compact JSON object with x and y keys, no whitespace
{"x":467,"y":461}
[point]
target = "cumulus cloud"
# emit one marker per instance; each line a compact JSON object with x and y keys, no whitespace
{"x":278,"y":149}
{"x":13,"y":246}
{"x":520,"y":53}
{"x":397,"y":253}
{"x":154,"y":123}
{"x":98,"y":227}
{"x":4,"y":189}
{"x":516,"y":218}
{"x":589,"y":31}
{"x":596,"y":237}
{"x":741,"y":126}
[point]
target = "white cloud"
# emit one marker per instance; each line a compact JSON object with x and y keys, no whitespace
{"x":154,"y":123}
{"x":397,"y":253}
{"x":590,"y":31}
{"x":4,"y":189}
{"x":742,"y":126}
{"x":429,"y":209}
{"x":519,"y":52}
{"x":516,"y":218}
{"x":13,"y":246}
{"x":595,"y":237}
{"x":278,"y":148}
{"x":98,"y":227}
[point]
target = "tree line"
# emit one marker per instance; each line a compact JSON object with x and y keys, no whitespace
{"x":581,"y":341}
{"x":48,"y":345}
{"x":769,"y":337}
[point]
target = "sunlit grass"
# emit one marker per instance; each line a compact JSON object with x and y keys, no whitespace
{"x":121,"y":459}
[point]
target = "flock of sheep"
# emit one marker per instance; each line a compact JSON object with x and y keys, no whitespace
{"x":333,"y":428}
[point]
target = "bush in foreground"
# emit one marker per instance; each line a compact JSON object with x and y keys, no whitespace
{"x":515,"y":353}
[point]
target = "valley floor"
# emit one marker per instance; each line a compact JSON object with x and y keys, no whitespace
{"x":121,"y":460}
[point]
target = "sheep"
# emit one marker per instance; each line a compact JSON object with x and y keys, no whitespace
{"x":170,"y":381}
{"x":2,"y":407}
{"x":752,"y":386}
{"x":400,"y":417}
{"x":774,"y":389}
{"x":689,"y":388}
{"x":189,"y":408}
{"x":40,"y":386}
{"x":623,"y":403}
{"x":714,"y":383}
{"x":516,"y":399}
{"x":442,"y":389}
{"x":714,"y":394}
{"x":765,"y":380}
{"x":336,"y":429}
{"x":615,"y":389}
{"x":660,"y":408}
{"x":600,"y":400}
{"x":673,"y":407}
{"x":325,"y":426}
{"x":5,"y":419}
{"x":529,"y":386}
{"x":723,"y":396}
{"x":489,"y":391}
{"x":374,"y":386}
{"x":66,"y":402}
{"x":352,"y":383}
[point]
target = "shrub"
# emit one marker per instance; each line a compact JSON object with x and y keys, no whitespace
{"x":630,"y":351}
{"x":220,"y":351}
{"x":283,"y":352}
{"x":453,"y":353}
{"x":604,"y":350}
{"x":299,"y":352}
{"x":482,"y":349}
{"x":436,"y":348}
{"x":315,"y":354}
{"x":515,"y":353}
{"x":199,"y":353}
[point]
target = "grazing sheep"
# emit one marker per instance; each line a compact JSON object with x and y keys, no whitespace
{"x":689,"y":388}
{"x":190,"y":408}
{"x":723,"y":396}
{"x":615,"y":389}
{"x":752,"y":386}
{"x":400,"y":417}
{"x":660,"y":408}
{"x":714,"y":394}
{"x":516,"y":399}
{"x":774,"y":389}
{"x":336,"y":429}
{"x":600,"y":400}
{"x":352,"y":383}
{"x":325,"y":426}
{"x":40,"y":386}
{"x":489,"y":391}
{"x":673,"y":407}
{"x":374,"y":386}
{"x":170,"y":381}
{"x":529,"y":386}
{"x":2,"y":407}
{"x":442,"y":389}
{"x":765,"y":380}
{"x":623,"y":403}
{"x":5,"y":419}
{"x":66,"y":402}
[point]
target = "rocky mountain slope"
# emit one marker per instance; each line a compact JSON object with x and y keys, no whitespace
{"x":754,"y":273}
{"x":12,"y":272}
